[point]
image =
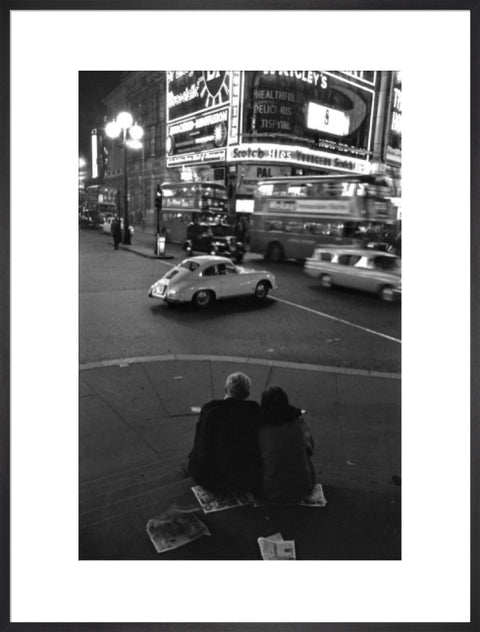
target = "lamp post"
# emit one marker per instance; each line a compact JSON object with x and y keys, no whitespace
{"x":130,"y":134}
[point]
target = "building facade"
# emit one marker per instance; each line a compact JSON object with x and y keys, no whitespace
{"x":237,"y":127}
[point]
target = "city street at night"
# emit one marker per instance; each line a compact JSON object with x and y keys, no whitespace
{"x":147,"y":367}
{"x":244,"y":223}
{"x":301,"y":322}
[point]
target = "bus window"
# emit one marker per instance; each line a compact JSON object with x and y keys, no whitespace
{"x":297,"y":191}
{"x":265,"y":189}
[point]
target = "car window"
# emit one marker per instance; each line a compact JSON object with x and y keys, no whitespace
{"x":231,"y":269}
{"x":364,"y":262}
{"x":385,"y":263}
{"x":348,"y":260}
{"x":189,"y":265}
{"x":171,"y":273}
{"x":222,"y":268}
{"x":210,"y":271}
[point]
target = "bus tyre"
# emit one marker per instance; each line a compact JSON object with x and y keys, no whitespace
{"x":203,"y":298}
{"x":326,"y":280}
{"x":275,"y":252}
{"x":387,"y":293}
{"x":261,"y":290}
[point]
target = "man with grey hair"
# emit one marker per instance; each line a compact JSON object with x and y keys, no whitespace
{"x":225,"y":455}
{"x":238,"y":386}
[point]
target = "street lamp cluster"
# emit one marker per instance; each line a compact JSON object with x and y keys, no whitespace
{"x":130,"y":135}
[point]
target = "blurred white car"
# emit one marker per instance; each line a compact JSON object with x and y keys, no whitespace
{"x":107,"y":225}
{"x":360,"y":269}
{"x":203,"y":279}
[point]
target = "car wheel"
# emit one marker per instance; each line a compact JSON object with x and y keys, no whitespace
{"x":261,"y":290}
{"x":387,"y":293}
{"x":203,"y":298}
{"x":275,"y":252}
{"x":326,"y":280}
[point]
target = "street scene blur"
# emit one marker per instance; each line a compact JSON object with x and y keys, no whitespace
{"x":240,"y":248}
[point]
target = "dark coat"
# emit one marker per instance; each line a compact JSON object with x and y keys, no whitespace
{"x":286,"y":447}
{"x":225,"y":454}
{"x":117,"y":231}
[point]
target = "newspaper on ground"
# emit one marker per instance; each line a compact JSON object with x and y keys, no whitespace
{"x":211,"y":502}
{"x":173,"y":529}
{"x":274,"y":547}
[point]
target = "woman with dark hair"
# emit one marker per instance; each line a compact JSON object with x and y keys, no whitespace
{"x":286,"y":448}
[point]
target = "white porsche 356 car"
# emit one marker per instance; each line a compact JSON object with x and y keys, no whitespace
{"x":204,"y":279}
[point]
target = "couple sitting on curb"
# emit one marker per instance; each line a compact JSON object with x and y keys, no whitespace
{"x":241,"y":446}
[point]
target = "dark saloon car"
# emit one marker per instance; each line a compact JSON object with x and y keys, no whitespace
{"x":214,"y":239}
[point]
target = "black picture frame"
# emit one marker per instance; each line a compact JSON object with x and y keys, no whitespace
{"x":473,"y":6}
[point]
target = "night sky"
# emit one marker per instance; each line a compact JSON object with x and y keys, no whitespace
{"x":93,"y":86}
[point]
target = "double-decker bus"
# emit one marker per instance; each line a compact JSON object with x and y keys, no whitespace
{"x":100,"y":200}
{"x":182,"y":200}
{"x":292,"y":215}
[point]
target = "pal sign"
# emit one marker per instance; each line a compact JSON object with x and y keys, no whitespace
{"x":249,"y":176}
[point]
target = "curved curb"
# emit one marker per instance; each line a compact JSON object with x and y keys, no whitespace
{"x":124,"y":362}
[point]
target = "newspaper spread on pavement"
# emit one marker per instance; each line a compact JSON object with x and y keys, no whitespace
{"x":274,"y":547}
{"x":211,"y":502}
{"x":173,"y":529}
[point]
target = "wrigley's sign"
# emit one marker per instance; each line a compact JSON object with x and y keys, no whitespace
{"x":303,"y":156}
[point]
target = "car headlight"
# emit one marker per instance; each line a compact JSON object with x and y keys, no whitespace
{"x":171,"y":292}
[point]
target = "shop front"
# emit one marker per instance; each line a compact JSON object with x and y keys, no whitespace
{"x":239,"y":127}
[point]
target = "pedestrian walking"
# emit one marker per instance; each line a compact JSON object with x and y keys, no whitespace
{"x":116,"y":232}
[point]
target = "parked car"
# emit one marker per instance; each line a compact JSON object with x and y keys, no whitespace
{"x":214,"y":239}
{"x":107,"y":226}
{"x":204,"y":279}
{"x":88,"y":219}
{"x":102,"y":218}
{"x":360,"y":269}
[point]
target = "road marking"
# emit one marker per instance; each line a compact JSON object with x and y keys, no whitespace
{"x":314,"y":311}
{"x":339,"y":320}
{"x":105,"y":364}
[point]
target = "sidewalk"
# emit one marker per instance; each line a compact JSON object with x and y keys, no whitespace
{"x":143,"y":243}
{"x":137,"y":426}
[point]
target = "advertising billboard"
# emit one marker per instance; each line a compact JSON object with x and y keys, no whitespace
{"x":330,"y":111}
{"x":393,"y":144}
{"x":198,"y":109}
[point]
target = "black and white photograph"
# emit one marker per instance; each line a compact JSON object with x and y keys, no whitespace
{"x":280,"y":192}
{"x":239,"y":316}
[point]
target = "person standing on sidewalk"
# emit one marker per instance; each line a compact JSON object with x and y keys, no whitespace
{"x":286,"y":447}
{"x":225,"y":455}
{"x":116,"y":232}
